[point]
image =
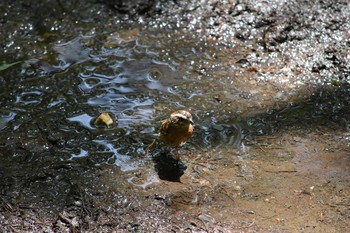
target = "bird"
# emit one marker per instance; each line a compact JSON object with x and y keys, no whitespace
{"x":175,"y":131}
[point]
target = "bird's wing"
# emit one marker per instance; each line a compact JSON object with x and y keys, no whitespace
{"x":164,"y":127}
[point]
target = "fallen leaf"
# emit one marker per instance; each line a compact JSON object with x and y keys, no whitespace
{"x":6,"y":66}
{"x":104,"y":119}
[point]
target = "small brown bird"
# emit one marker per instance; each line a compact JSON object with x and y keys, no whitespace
{"x":175,"y":131}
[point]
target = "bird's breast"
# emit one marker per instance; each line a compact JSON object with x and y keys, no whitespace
{"x":176,"y":135}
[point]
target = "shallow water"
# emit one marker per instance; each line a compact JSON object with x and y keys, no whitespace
{"x":139,"y":81}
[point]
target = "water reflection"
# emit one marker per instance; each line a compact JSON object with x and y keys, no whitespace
{"x":5,"y":118}
{"x":72,"y":52}
{"x":82,"y":153}
{"x":123,"y":161}
{"x":83,"y":119}
{"x":29,"y":98}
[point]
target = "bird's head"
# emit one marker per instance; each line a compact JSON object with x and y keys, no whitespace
{"x":181,"y":117}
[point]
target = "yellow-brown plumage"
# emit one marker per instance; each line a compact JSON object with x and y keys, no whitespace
{"x":176,"y":130}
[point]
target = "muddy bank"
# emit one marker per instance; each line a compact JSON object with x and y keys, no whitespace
{"x":267,"y":85}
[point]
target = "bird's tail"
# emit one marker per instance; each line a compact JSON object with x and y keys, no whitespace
{"x":151,"y":146}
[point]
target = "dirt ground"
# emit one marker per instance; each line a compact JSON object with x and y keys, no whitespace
{"x":267,"y":84}
{"x":288,"y":183}
{"x":285,"y":183}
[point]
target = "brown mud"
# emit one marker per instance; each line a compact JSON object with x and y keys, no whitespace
{"x":267,"y":85}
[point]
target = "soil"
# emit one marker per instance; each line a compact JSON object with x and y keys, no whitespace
{"x":267,"y":84}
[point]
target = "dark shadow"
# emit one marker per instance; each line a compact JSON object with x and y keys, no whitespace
{"x":325,"y":108}
{"x":167,"y":167}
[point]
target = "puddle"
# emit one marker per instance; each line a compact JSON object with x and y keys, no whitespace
{"x":142,"y":79}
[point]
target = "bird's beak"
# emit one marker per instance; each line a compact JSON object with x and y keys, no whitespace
{"x":191,"y":121}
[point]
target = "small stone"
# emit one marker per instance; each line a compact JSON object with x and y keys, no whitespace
{"x":78,"y":203}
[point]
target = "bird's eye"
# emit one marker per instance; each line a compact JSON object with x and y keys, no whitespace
{"x":174,"y":119}
{"x":183,"y":120}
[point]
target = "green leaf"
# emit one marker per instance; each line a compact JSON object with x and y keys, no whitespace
{"x":335,"y":83}
{"x":6,"y":66}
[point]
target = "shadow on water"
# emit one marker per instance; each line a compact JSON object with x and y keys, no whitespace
{"x":167,"y":167}
{"x":326,"y":106}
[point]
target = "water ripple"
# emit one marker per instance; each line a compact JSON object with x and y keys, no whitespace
{"x":122,"y":161}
